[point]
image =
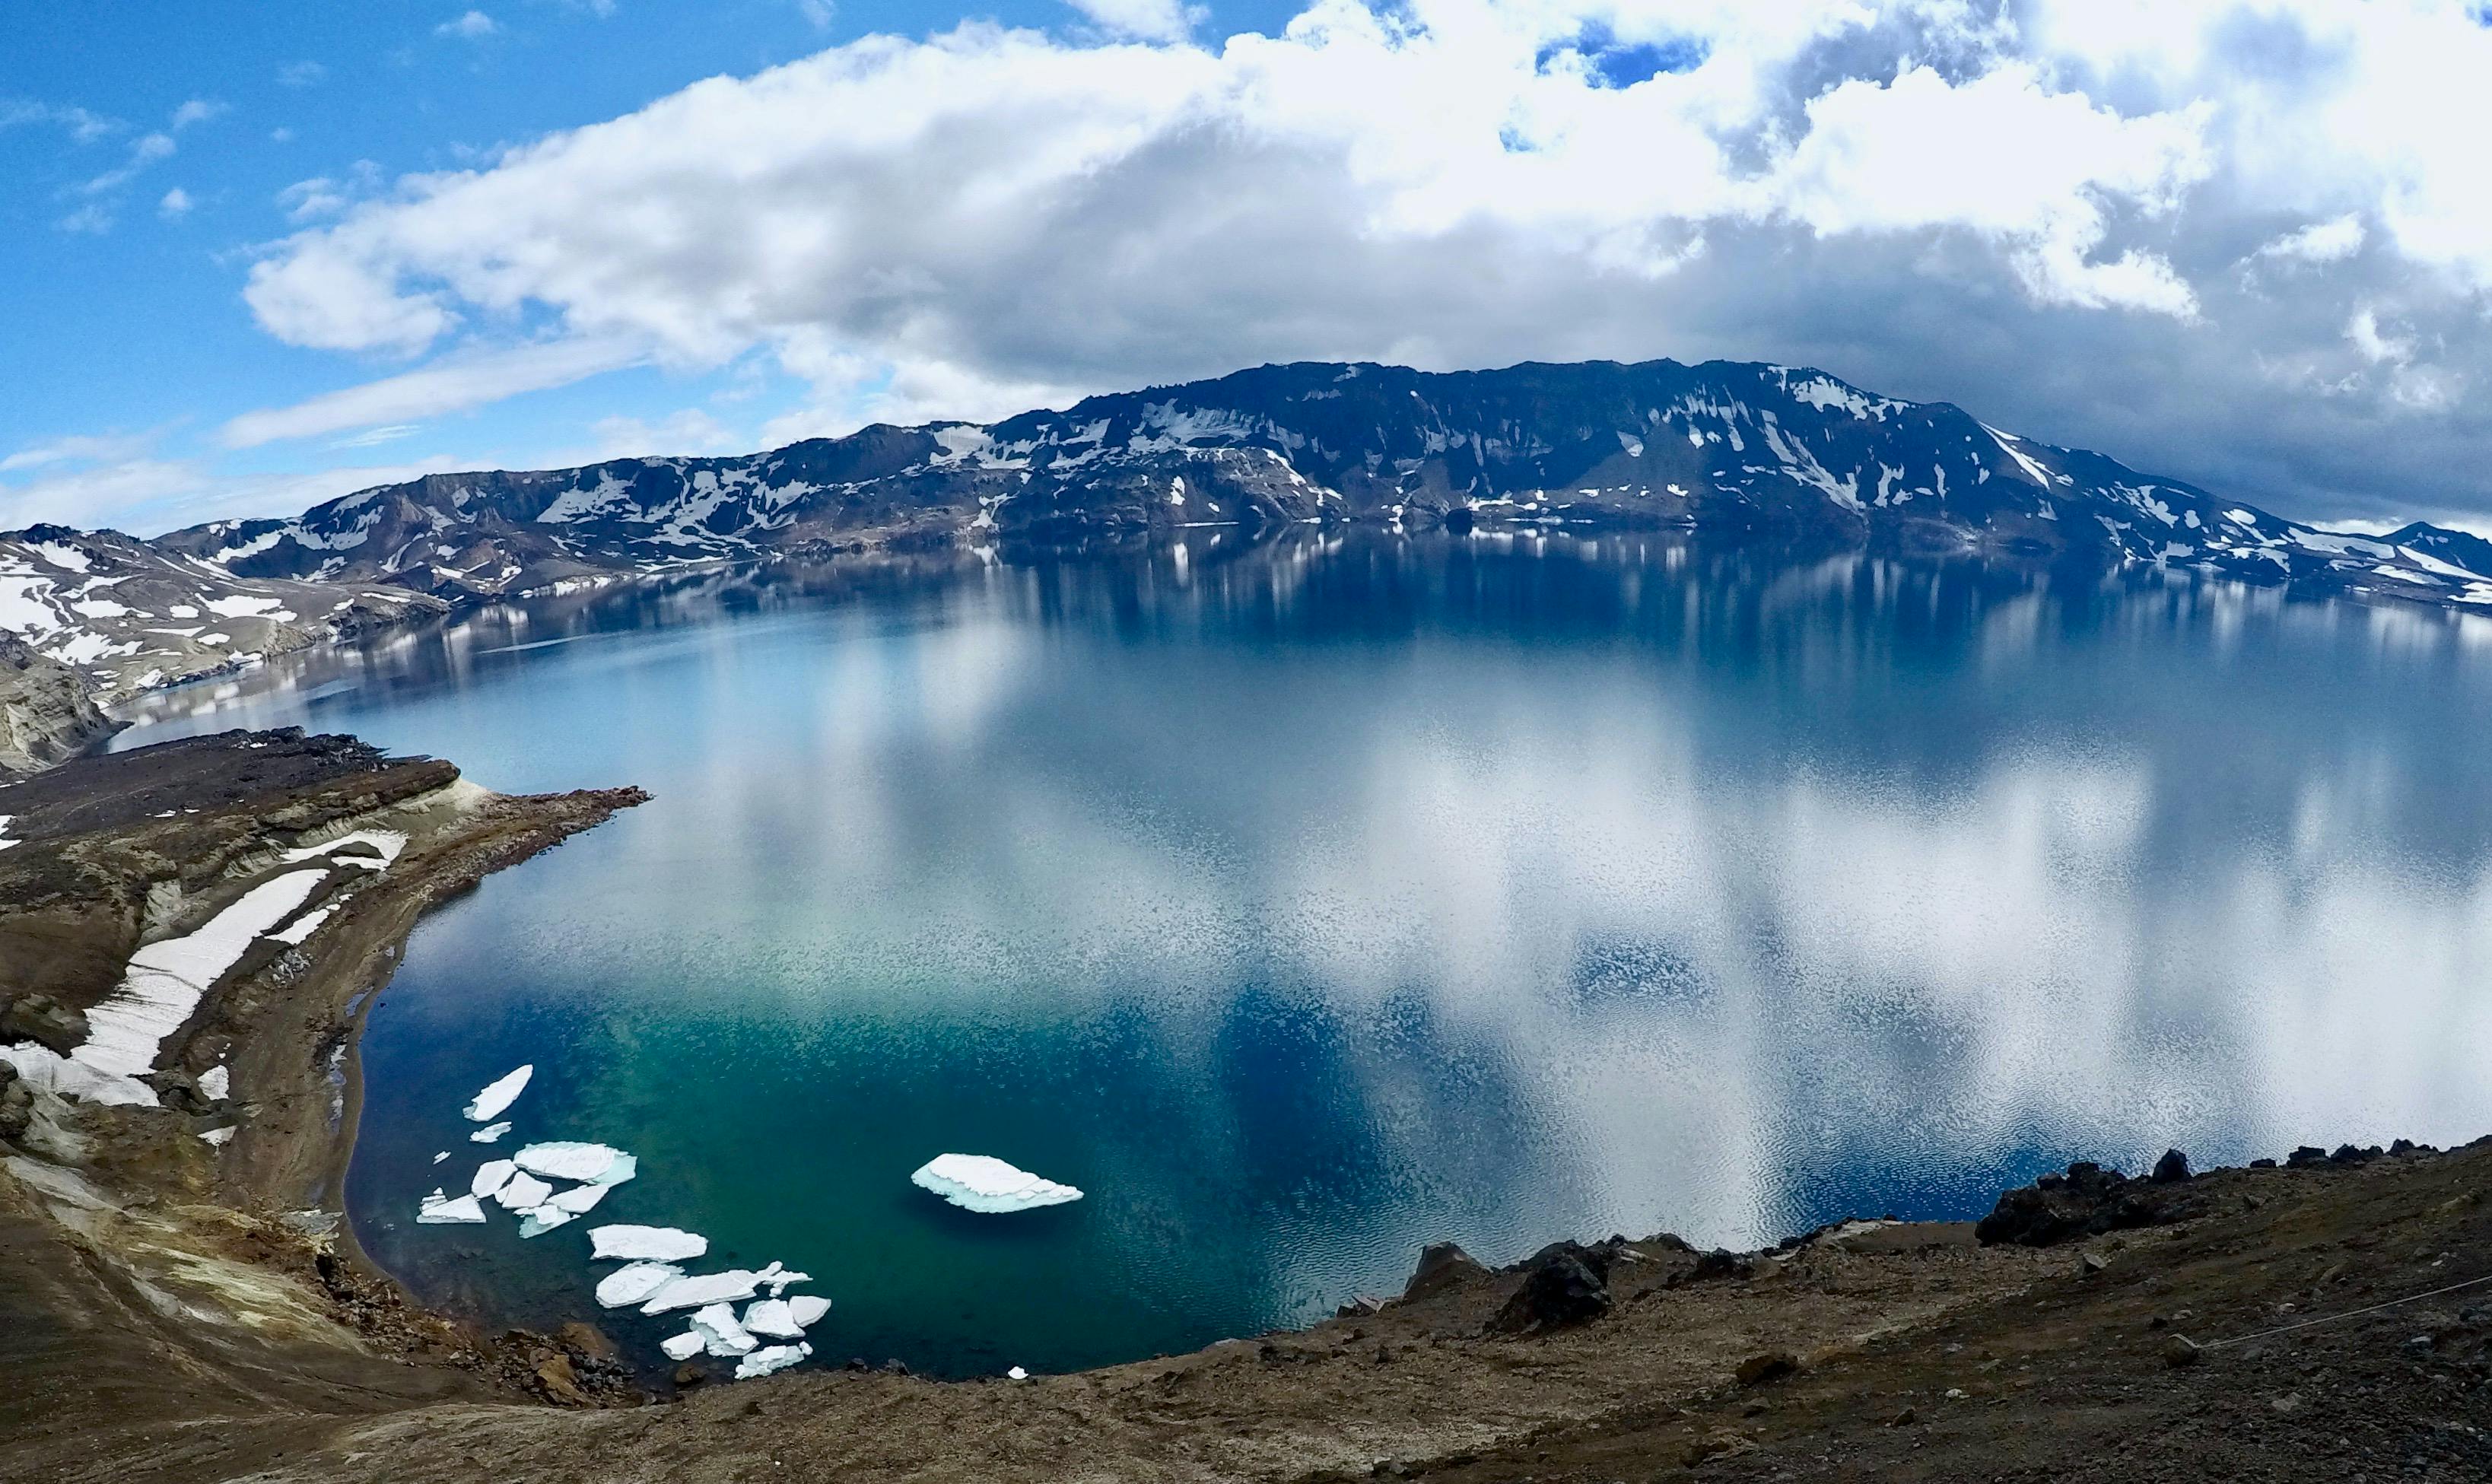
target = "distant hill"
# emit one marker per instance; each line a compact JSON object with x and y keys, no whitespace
{"x":1775,"y":452}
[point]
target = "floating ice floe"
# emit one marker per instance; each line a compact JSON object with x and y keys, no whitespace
{"x":981,"y":1182}
{"x":646,"y":1244}
{"x":563,"y":1160}
{"x":769,"y":1360}
{"x":580,"y":1200}
{"x":733,"y":1286}
{"x":544,"y":1219}
{"x":777,"y":1279}
{"x":439,"y":1158}
{"x":491,"y":1133}
{"x":488,"y":1104}
{"x":685,"y":1345}
{"x":491,"y":1177}
{"x":438,"y":1209}
{"x":773,"y":1317}
{"x":523,"y":1193}
{"x":634,"y":1282}
{"x":724,"y":1337}
{"x":807,"y":1310}
{"x":217,"y":1083}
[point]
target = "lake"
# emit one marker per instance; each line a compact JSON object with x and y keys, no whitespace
{"x":1307,"y":902}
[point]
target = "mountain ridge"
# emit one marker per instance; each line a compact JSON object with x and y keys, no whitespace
{"x":1789,"y":454}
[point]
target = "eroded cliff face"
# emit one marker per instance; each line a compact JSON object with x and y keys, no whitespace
{"x":45,"y":711}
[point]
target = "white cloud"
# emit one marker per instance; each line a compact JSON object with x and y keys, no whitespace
{"x":302,"y":74}
{"x":372,"y":438}
{"x":144,"y":150}
{"x":176,"y":203}
{"x":2321,"y":242}
{"x":818,"y":14}
{"x":689,"y":432}
{"x":1156,"y":21}
{"x":449,"y":385}
{"x":2050,"y":208}
{"x":81,"y":448}
{"x":82,"y":126}
{"x":198,"y":111}
{"x":92,"y":220}
{"x":475,"y":25}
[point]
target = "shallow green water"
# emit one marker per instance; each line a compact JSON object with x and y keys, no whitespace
{"x":1310,"y":905}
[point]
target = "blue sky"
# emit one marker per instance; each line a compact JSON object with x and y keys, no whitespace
{"x":256,"y":256}
{"x":127,"y":322}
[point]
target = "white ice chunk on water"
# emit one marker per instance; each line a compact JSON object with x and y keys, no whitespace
{"x":491,"y":1177}
{"x":807,"y":1310}
{"x":646,"y":1244}
{"x":443,"y":1155}
{"x":730,"y":1287}
{"x":489,"y":1134}
{"x":579,"y":1200}
{"x":981,"y":1182}
{"x":523,"y":1193}
{"x":544,"y":1219}
{"x":564,"y":1160}
{"x":634,"y":1282}
{"x":774,"y":1318}
{"x":777,"y":1279}
{"x":685,"y":1345}
{"x":770,"y":1358}
{"x":716,"y":1325}
{"x":438,"y":1209}
{"x":488,"y":1104}
{"x":217,"y":1083}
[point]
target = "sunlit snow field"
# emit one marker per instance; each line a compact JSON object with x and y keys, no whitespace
{"x":1310,"y":906}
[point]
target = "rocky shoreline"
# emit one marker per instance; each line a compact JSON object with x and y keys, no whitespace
{"x":169,"y":1266}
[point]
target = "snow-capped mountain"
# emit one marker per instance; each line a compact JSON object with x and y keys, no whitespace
{"x":1768,"y":452}
{"x":126,"y":614}
{"x":1721,"y":446}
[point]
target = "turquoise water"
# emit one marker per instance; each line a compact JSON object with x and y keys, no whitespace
{"x":1316,"y":901}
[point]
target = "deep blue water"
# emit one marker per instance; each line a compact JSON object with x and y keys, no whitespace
{"x":1315,"y":902}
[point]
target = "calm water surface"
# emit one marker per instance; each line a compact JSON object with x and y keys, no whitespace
{"x":1311,"y":905}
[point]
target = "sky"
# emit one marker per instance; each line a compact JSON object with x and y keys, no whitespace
{"x":254,"y":256}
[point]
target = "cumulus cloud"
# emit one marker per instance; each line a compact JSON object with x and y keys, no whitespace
{"x":176,"y":203}
{"x":474,"y":25}
{"x":2041,"y":206}
{"x":2321,"y":242}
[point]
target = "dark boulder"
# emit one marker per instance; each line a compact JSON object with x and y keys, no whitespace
{"x":1559,"y":1291}
{"x":179,"y":1091}
{"x":41,"y":1019}
{"x":1442,"y":1266}
{"x":2172,"y":1169}
{"x":2086,"y":1202}
{"x":2306,"y":1157}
